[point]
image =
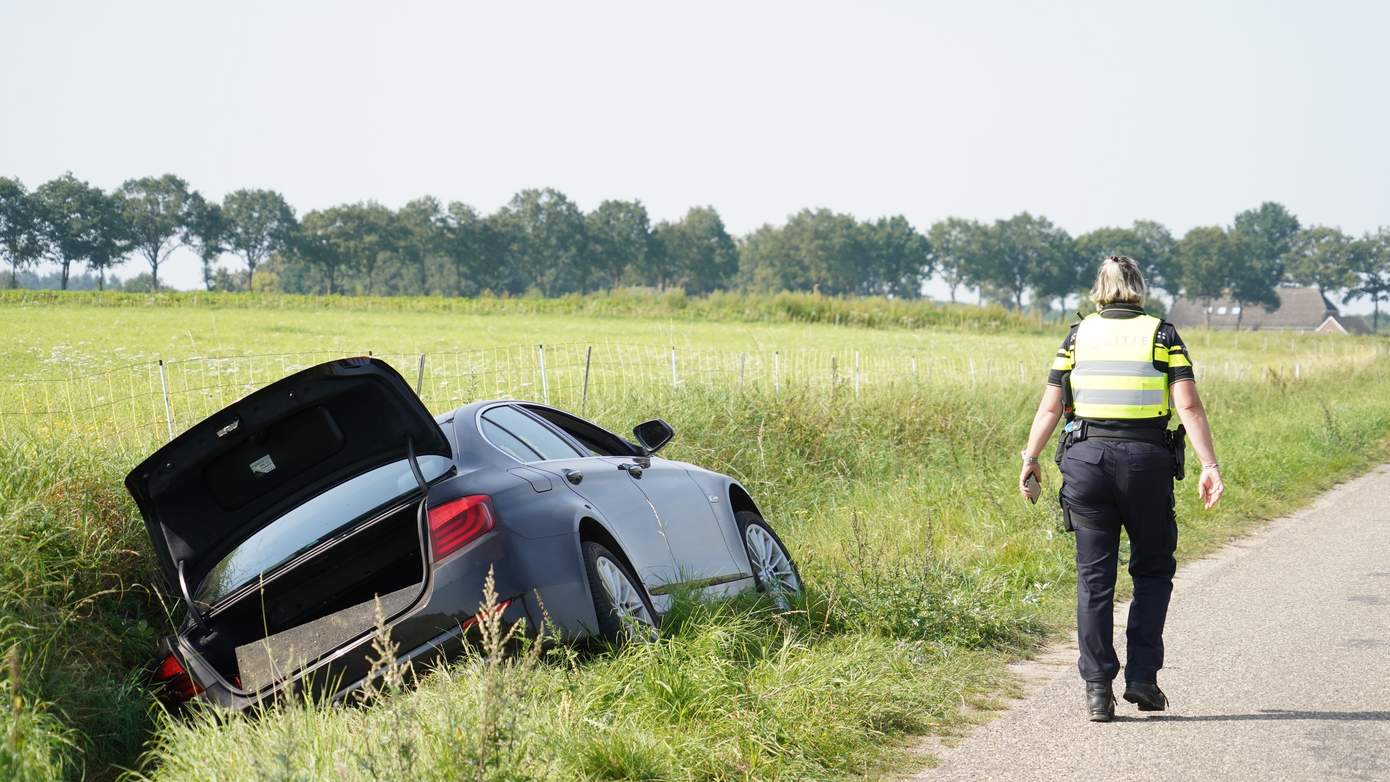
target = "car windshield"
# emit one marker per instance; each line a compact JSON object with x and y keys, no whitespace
{"x":313,"y":522}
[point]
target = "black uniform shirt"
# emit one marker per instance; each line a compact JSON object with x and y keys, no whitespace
{"x":1178,"y":367}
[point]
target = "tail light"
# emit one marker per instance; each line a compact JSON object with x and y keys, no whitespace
{"x":175,"y":682}
{"x":456,"y":523}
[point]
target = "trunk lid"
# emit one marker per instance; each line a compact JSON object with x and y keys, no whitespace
{"x":220,"y":482}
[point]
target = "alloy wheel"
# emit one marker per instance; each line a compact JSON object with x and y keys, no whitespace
{"x":771,"y":563}
{"x":627,"y":601}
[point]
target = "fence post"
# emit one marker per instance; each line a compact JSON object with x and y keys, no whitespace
{"x":742,"y":359}
{"x":584,"y":396}
{"x":856,"y":373}
{"x":168,"y":408}
{"x":545,"y":382}
{"x":776,"y":371}
{"x":420,"y":376}
{"x":673,"y":366}
{"x":971,"y":359}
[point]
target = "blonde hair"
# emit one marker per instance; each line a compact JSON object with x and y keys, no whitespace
{"x":1118,"y":280}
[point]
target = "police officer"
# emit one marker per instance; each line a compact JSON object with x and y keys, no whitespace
{"x":1118,"y":376}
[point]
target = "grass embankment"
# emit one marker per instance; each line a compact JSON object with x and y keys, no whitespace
{"x":926,"y":573}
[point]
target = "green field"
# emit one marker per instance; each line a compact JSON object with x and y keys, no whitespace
{"x":885,"y":452}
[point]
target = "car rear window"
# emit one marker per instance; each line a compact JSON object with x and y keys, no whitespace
{"x":520,"y":431}
{"x":312,"y":523}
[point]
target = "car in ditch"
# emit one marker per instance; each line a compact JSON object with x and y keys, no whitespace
{"x":295,"y":520}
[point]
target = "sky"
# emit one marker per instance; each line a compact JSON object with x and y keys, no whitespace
{"x":1091,"y":113}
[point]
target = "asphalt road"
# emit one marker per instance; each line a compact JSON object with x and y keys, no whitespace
{"x":1278,"y":668}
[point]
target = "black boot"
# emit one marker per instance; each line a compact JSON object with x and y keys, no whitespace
{"x":1100,"y":700}
{"x":1147,"y":695}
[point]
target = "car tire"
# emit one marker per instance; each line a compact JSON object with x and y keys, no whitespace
{"x":760,"y":542}
{"x":621,"y":604}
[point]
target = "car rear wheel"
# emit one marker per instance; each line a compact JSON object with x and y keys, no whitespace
{"x":621,"y":604}
{"x":774,"y":572}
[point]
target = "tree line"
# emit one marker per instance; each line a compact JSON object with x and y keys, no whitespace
{"x":542,"y":242}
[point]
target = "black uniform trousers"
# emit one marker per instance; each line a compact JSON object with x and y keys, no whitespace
{"x":1109,"y":484}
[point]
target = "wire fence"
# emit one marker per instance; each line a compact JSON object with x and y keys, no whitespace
{"x":152,"y":401}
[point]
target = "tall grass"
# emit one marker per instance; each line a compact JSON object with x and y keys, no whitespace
{"x":925,"y":573}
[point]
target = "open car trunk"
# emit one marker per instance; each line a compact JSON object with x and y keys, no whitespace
{"x":281,"y":518}
{"x":317,"y":605}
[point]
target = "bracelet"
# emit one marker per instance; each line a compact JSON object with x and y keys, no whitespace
{"x":1028,"y":459}
{"x":1212,"y":466}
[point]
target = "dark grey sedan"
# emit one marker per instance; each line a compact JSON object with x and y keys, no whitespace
{"x":287,"y":518}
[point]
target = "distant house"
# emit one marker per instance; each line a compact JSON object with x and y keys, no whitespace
{"x":1300,"y":309}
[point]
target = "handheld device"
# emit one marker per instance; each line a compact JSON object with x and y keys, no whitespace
{"x":1033,"y":487}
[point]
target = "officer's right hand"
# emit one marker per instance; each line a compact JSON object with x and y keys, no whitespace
{"x":1029,"y":468}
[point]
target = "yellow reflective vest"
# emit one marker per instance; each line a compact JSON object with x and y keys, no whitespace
{"x":1113,"y":374}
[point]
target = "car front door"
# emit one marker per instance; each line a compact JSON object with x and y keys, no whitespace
{"x":630,"y":516}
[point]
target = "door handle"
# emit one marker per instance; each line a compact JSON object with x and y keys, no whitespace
{"x":573,"y":476}
{"x":635,"y":470}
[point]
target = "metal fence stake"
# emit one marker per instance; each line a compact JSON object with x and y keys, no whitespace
{"x":673,"y":366}
{"x":545,"y":382}
{"x":420,"y":376}
{"x":857,"y":373}
{"x":776,"y":371}
{"x":168,"y":408}
{"x":584,"y":398}
{"x":742,"y":358}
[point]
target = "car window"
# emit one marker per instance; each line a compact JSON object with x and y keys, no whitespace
{"x":536,"y":436}
{"x":507,"y":443}
{"x":596,"y":440}
{"x":313,"y":522}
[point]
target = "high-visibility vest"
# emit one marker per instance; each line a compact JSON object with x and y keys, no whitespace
{"x":1113,"y":373}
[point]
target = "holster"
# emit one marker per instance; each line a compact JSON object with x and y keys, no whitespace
{"x":1177,"y":447}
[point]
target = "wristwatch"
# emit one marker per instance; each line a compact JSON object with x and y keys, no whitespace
{"x":1212,"y":466}
{"x":1028,"y":459}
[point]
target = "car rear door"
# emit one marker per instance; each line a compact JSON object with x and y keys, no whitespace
{"x":627,"y":511}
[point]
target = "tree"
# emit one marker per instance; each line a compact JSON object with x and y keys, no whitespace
{"x":21,"y":234}
{"x":205,"y":231}
{"x":317,"y":244}
{"x":462,"y":244}
{"x":1026,"y":253}
{"x":258,"y":223}
{"x":547,"y":240}
{"x":955,"y":245}
{"x":1261,"y":238}
{"x":697,"y":252}
{"x":74,"y":221}
{"x":113,"y":238}
{"x":1205,"y":260}
{"x":899,"y":258}
{"x":1322,"y":258}
{"x":620,"y":239}
{"x":156,"y":211}
{"x":419,"y":242}
{"x":1371,"y":265}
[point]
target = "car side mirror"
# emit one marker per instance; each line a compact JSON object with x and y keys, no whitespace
{"x":653,"y":435}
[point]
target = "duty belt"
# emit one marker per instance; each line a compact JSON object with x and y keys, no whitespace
{"x":1142,"y":434}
